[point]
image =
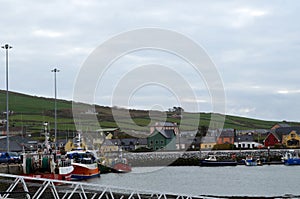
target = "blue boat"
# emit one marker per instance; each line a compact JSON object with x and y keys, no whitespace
{"x":250,"y":161}
{"x":291,"y":157}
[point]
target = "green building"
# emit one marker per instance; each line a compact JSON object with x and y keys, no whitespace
{"x":162,"y":140}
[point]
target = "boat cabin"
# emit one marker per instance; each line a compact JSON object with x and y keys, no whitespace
{"x":211,"y":158}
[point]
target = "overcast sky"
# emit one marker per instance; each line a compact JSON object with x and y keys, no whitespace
{"x":255,"y":46}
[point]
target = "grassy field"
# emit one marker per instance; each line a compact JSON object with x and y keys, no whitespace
{"x":31,"y":112}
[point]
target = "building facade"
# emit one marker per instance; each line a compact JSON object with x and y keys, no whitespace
{"x":162,"y":140}
{"x":291,"y":140}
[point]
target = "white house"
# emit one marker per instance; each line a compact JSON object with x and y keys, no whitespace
{"x":246,"y":141}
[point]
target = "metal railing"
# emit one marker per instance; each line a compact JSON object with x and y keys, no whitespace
{"x":15,"y":186}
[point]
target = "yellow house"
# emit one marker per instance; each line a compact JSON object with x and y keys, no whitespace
{"x":208,"y":142}
{"x":70,"y":145}
{"x":291,"y":140}
{"x":110,"y":145}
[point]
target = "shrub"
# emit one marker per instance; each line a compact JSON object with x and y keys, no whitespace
{"x":223,"y":147}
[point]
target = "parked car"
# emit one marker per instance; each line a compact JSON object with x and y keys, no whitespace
{"x":10,"y":157}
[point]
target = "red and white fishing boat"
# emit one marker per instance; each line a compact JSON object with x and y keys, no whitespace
{"x":83,"y":161}
{"x":46,"y":164}
{"x":59,"y":170}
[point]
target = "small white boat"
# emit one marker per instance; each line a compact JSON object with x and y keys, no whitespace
{"x":213,"y":161}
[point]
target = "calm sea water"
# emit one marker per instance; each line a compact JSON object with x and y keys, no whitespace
{"x":274,"y":180}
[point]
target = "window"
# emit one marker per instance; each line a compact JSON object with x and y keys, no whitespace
{"x":156,"y":142}
{"x":162,"y":142}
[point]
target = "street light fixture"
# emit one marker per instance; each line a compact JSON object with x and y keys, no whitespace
{"x":7,"y":47}
{"x":55,"y":70}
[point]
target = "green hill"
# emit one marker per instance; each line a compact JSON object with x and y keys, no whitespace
{"x":31,"y":112}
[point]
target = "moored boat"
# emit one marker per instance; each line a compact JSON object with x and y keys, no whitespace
{"x":105,"y":169}
{"x":213,"y":161}
{"x":83,"y":161}
{"x":47,"y":164}
{"x":291,"y":157}
{"x":120,"y":165}
{"x":85,"y":165}
{"x":250,"y":161}
{"x":117,"y":165}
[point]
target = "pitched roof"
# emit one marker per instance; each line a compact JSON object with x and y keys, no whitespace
{"x":208,"y":139}
{"x":244,"y":138}
{"x":272,"y":133}
{"x":227,"y":133}
{"x":279,"y":132}
{"x":283,"y":125}
{"x":109,"y":142}
{"x":165,"y":124}
{"x":188,"y":140}
{"x":167,"y":133}
{"x":15,"y":143}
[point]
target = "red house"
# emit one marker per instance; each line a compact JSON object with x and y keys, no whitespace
{"x":271,"y":140}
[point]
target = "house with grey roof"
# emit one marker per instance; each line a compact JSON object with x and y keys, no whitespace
{"x":246,"y":141}
{"x":187,"y":140}
{"x":162,"y":139}
{"x":17,"y":144}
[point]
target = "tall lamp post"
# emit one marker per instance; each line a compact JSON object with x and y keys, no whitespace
{"x":7,"y":47}
{"x":55,"y":70}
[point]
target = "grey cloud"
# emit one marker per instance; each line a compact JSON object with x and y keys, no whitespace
{"x":256,"y":56}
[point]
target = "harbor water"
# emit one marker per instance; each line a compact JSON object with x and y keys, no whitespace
{"x":270,"y":181}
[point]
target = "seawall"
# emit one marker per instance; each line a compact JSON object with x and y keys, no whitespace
{"x":192,"y":158}
{"x":11,"y":169}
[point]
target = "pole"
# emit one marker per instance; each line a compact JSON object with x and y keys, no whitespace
{"x":55,"y":107}
{"x":269,"y":159}
{"x":7,"y":47}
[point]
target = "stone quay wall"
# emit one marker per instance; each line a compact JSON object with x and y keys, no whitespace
{"x":192,"y":158}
